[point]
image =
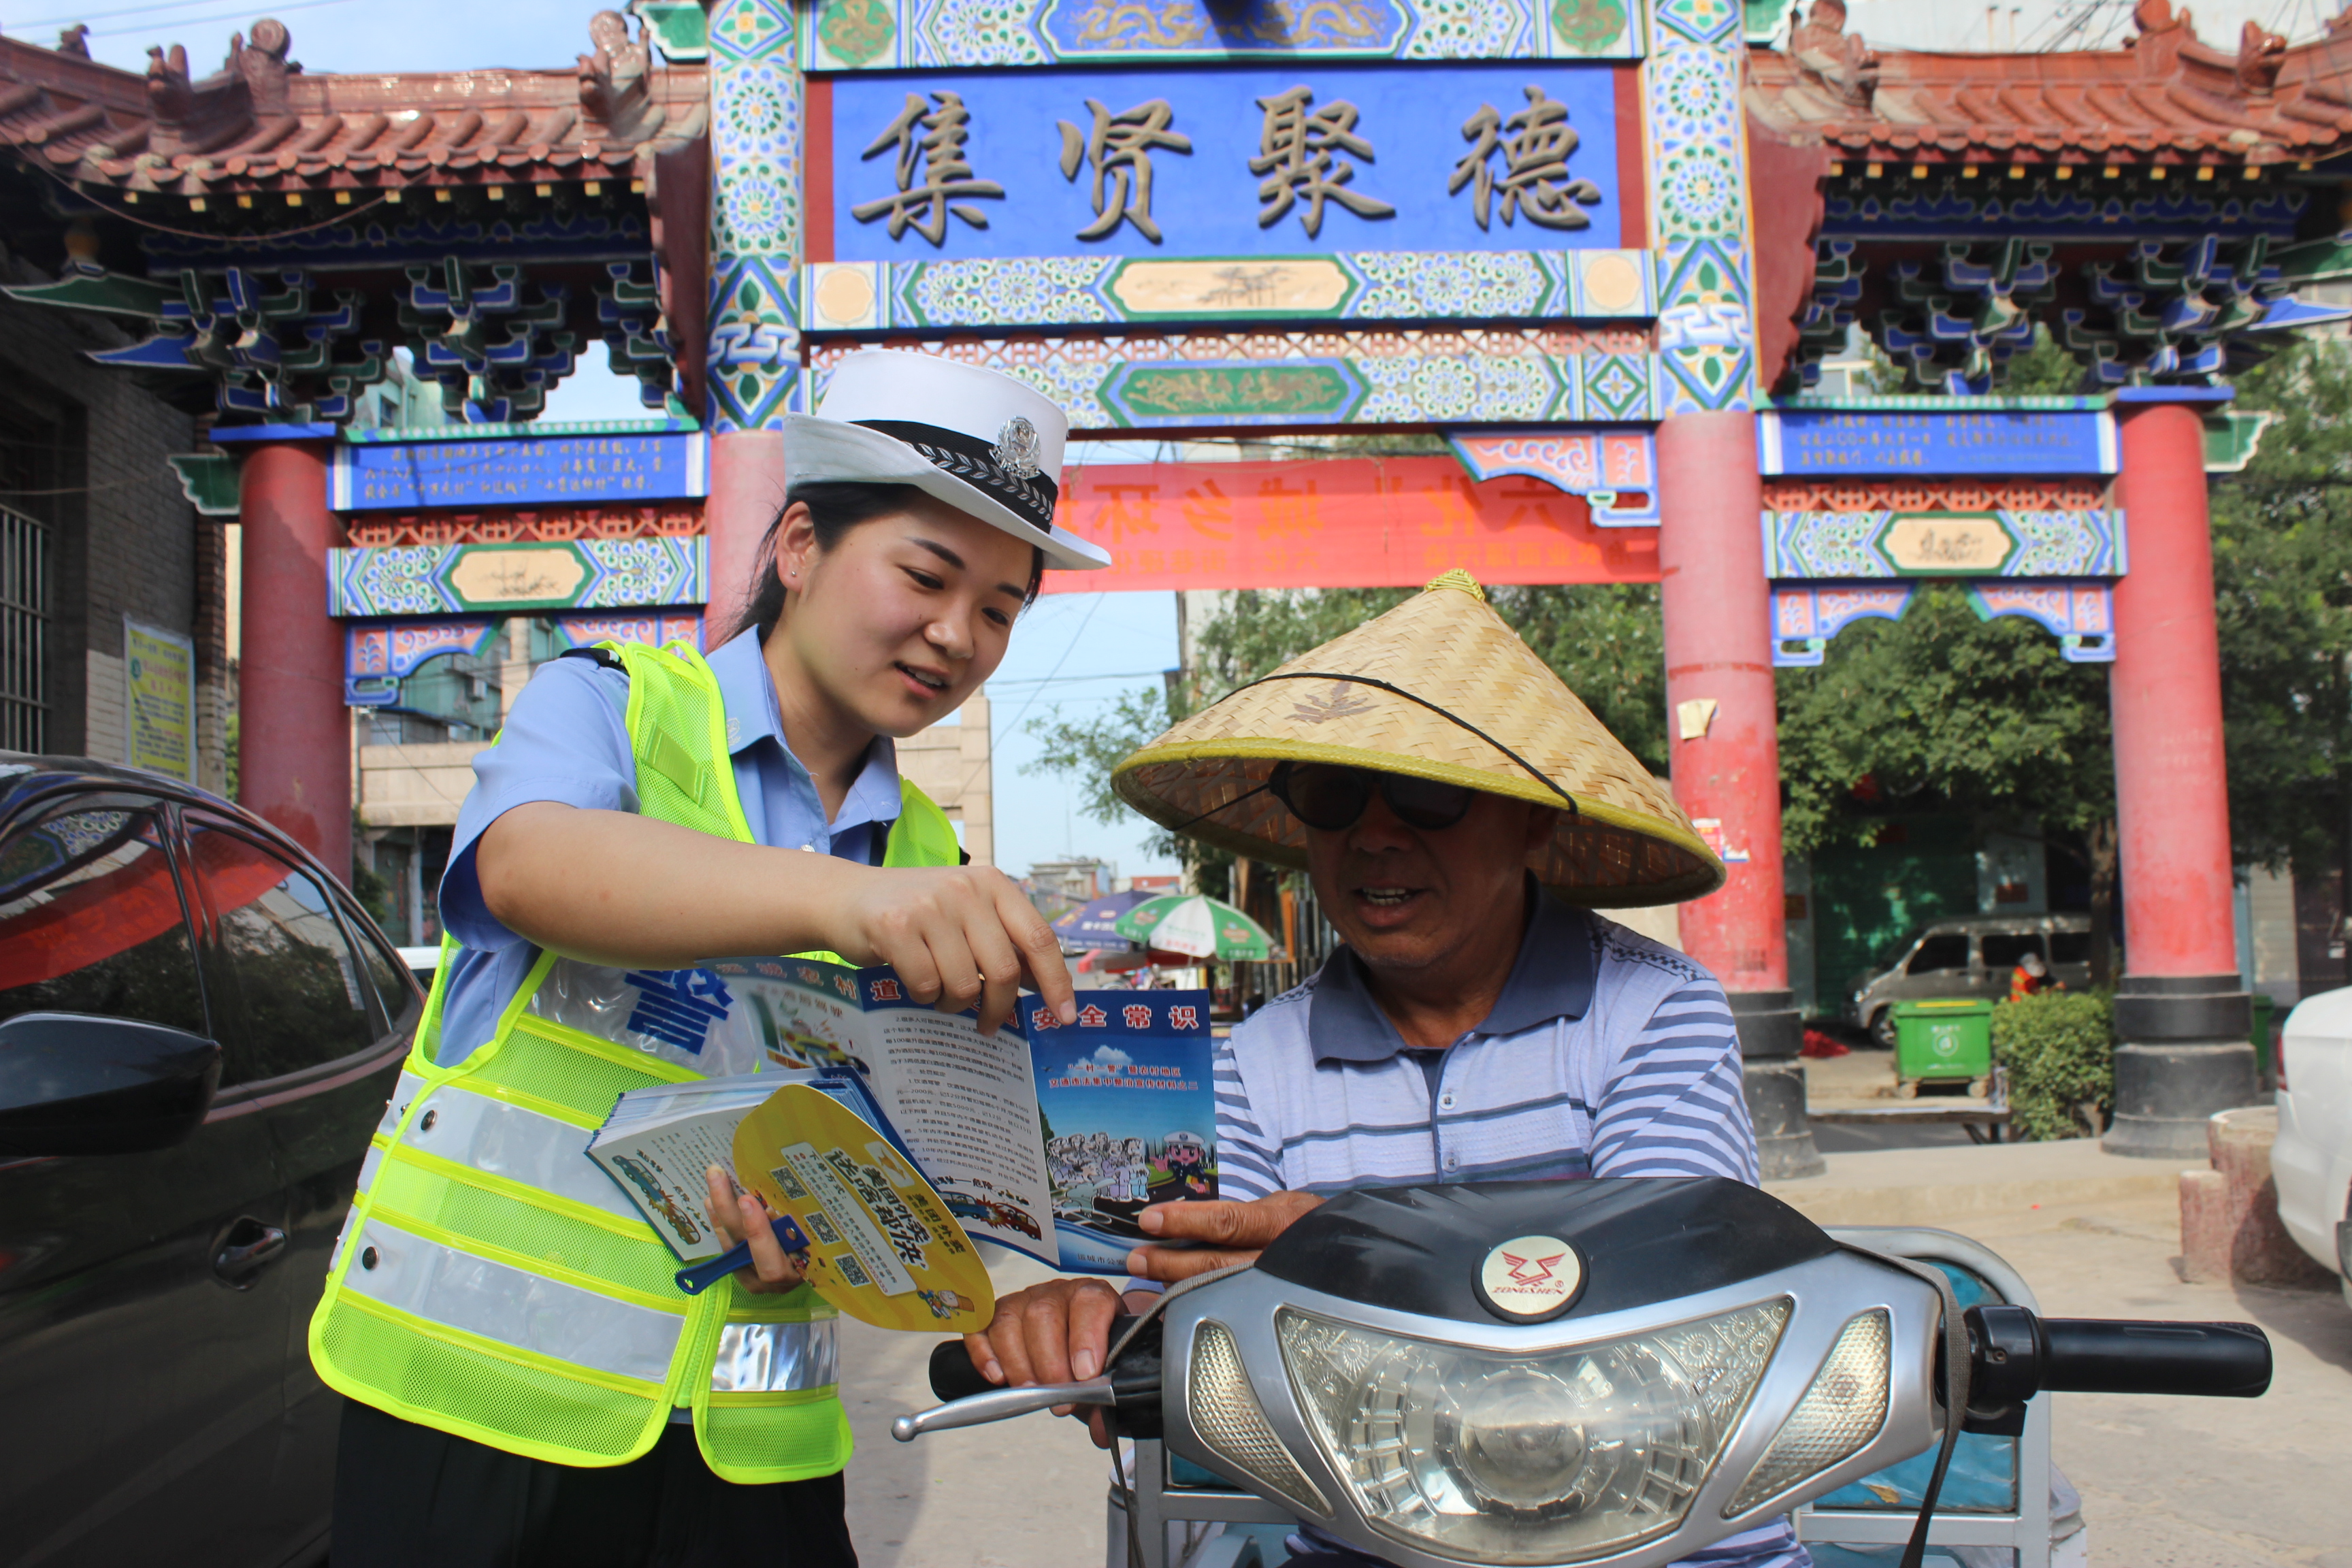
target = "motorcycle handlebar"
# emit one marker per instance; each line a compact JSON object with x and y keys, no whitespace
{"x":953,"y":1376}
{"x":2017,"y":1355}
{"x":2091,"y":1355}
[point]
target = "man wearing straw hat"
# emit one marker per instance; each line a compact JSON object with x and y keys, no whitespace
{"x":1461,"y":815}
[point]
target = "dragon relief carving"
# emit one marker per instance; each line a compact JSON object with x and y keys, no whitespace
{"x":197,"y":117}
{"x":1839,"y":60}
{"x":616,"y":79}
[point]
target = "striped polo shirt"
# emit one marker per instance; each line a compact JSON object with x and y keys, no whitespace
{"x":1606,"y":1054}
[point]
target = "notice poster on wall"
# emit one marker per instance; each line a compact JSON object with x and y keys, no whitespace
{"x":159,"y":714}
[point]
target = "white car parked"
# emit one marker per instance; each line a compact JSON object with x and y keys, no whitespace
{"x":2313,"y":1158}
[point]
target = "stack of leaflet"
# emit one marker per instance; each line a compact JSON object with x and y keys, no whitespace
{"x":660,"y":1141}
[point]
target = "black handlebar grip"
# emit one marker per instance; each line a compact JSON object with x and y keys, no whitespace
{"x":954,"y":1377}
{"x":2094,"y":1356}
{"x":952,"y":1374}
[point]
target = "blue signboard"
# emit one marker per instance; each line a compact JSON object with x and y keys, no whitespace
{"x":1232,"y":160}
{"x":576,"y":469}
{"x":1826,"y":443}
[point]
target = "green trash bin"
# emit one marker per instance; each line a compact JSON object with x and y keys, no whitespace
{"x":1941,"y":1040}
{"x":2264,"y":1010}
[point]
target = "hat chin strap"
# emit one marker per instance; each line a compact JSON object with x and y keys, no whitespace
{"x":1533,"y":772}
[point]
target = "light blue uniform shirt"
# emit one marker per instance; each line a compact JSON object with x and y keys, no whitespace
{"x":566,"y":740}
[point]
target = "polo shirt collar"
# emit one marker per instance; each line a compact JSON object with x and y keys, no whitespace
{"x":1551,"y":978}
{"x":747,"y":693}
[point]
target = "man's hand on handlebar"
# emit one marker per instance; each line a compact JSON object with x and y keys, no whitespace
{"x":1059,"y":1332}
{"x":1227,"y":1235}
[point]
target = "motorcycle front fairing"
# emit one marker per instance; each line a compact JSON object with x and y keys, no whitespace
{"x":1606,"y":1372}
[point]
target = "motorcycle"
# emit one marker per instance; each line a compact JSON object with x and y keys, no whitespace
{"x":1611,"y":1373}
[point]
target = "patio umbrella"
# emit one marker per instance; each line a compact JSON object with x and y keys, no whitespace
{"x":1197,"y":926}
{"x":1089,"y":926}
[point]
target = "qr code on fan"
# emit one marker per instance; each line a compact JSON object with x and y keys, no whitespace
{"x":852,"y":1271}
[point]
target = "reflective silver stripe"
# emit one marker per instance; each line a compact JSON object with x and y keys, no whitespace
{"x":561,"y":1321}
{"x":406,"y":1090}
{"x":769,"y":1358}
{"x":367,"y":1179}
{"x":502,"y":1140}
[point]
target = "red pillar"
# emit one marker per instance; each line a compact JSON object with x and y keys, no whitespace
{"x":294,"y":735}
{"x":1719,"y":642}
{"x":747,"y":491}
{"x":2180,"y":1009}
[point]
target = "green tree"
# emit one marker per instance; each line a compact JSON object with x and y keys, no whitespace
{"x":2282,"y":583}
{"x":1943,"y":711}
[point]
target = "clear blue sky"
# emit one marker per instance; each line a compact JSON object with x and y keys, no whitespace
{"x":1083,"y":642}
{"x":329,"y":35}
{"x":454,"y":35}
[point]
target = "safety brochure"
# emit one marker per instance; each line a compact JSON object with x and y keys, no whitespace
{"x":1047,"y":1138}
{"x":660,"y":1141}
{"x":882,"y":1246}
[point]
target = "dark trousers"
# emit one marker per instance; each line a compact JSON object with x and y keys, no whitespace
{"x":409,"y":1496}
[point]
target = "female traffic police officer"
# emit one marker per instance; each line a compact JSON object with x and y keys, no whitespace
{"x":527,"y":1384}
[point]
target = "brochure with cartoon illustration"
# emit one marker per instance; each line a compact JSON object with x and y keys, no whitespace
{"x":660,"y":1141}
{"x":1044,"y":1137}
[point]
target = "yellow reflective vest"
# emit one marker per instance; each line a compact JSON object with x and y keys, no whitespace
{"x":493,"y":1283}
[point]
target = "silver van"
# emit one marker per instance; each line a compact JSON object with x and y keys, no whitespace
{"x":1971,"y":956}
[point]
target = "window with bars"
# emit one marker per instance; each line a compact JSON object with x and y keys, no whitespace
{"x":27,"y":578}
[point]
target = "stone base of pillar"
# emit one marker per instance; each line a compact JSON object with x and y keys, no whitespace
{"x":2183,"y":1056}
{"x":1776,"y":1104}
{"x":1770,"y":1027}
{"x":1772,"y":1033}
{"x":2164,"y":1094}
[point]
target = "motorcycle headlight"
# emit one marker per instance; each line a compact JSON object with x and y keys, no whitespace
{"x":1541,"y":1457}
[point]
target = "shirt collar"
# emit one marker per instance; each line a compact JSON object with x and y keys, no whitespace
{"x":747,"y":693}
{"x":1551,"y":978}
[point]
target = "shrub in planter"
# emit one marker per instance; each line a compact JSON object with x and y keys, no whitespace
{"x":2058,"y":1052}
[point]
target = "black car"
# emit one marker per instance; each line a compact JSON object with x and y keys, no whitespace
{"x":199,"y":1030}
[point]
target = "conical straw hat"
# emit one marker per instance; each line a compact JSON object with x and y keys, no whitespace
{"x":1440,"y":687}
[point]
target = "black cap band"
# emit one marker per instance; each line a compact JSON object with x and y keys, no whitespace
{"x":976,"y":462}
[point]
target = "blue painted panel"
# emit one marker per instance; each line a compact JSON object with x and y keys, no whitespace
{"x":1825,"y":443}
{"x":1206,"y":202}
{"x":578,"y":469}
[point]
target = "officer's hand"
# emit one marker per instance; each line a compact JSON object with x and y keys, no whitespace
{"x":959,"y":935}
{"x":737,"y":1215}
{"x":1058,"y":1332}
{"x":1231,"y":1234}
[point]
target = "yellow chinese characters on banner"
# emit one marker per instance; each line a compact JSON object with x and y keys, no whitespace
{"x":159,"y":718}
{"x":882,"y":1247}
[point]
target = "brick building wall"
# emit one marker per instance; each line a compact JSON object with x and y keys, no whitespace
{"x":126,"y":540}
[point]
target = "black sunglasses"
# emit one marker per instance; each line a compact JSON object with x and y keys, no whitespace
{"x":1328,"y":797}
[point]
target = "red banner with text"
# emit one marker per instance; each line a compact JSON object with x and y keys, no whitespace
{"x":1342,"y":523}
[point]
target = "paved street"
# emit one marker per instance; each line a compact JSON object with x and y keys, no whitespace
{"x":1024,"y":1495}
{"x":2165,"y":1483}
{"x":2178,"y":1483}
